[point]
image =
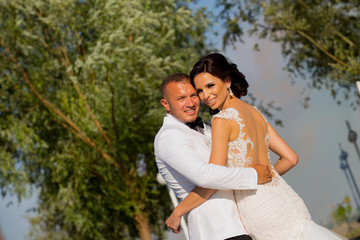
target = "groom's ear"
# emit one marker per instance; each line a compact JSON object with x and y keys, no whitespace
{"x":165,"y":104}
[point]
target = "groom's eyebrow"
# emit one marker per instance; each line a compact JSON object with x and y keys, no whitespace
{"x":179,"y":97}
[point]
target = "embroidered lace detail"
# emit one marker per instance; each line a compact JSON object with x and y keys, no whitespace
{"x":274,"y":210}
{"x":237,"y":149}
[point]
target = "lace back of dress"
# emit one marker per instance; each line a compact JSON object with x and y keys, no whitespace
{"x":252,"y":144}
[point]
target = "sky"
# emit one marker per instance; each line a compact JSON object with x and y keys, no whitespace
{"x":314,"y":133}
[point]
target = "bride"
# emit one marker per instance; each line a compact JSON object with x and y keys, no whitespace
{"x":241,"y":137}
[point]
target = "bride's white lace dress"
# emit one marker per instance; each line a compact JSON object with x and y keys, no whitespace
{"x":274,"y":211}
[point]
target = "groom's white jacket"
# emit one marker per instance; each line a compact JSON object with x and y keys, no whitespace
{"x":182,"y":156}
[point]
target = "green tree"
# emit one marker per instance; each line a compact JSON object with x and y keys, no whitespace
{"x":342,"y":212}
{"x":320,"y":39}
{"x":79,"y":109}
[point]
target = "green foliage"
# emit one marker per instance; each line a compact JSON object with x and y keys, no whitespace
{"x":342,"y":211}
{"x":79,"y":108}
{"x":320,"y":39}
{"x":353,"y":233}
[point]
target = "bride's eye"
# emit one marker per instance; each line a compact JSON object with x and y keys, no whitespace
{"x":211,"y":85}
{"x":198,"y":91}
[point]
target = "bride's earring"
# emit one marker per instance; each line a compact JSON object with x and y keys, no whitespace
{"x":230,"y":92}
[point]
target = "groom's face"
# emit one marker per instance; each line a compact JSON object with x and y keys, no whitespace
{"x":181,"y":101}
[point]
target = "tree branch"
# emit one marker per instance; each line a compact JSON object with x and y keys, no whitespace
{"x":88,"y":141}
{"x":39,"y":15}
{"x":81,"y":38}
{"x":69,"y":124}
{"x":116,"y":130}
{"x":321,"y":48}
{"x":314,"y":42}
{"x":66,"y":63}
{"x":37,"y":94}
{"x":97,"y":123}
{"x":343,"y":37}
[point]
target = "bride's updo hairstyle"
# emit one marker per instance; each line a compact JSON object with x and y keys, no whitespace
{"x":218,"y":66}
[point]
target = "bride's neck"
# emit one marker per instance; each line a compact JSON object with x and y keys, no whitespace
{"x":228,"y":103}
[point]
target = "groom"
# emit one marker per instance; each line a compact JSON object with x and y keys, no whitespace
{"x":182,"y":155}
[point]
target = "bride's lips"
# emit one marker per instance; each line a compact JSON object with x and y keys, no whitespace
{"x":211,"y":102}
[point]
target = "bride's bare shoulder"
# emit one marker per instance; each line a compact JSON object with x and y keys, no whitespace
{"x":243,"y":107}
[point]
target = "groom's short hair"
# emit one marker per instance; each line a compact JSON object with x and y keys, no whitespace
{"x":176,"y":77}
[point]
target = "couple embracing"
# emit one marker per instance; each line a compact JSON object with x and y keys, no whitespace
{"x":223,"y":175}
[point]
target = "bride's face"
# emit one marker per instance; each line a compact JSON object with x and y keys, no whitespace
{"x":211,"y":90}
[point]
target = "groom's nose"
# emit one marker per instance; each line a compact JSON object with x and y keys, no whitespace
{"x":190,"y":102}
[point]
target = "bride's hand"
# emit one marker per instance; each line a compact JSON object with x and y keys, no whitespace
{"x":173,"y":222}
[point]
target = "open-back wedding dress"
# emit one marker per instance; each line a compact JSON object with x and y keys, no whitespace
{"x":274,"y":211}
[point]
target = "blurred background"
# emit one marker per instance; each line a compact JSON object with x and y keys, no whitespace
{"x":79,"y":106}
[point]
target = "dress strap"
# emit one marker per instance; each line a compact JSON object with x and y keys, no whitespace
{"x":229,"y":113}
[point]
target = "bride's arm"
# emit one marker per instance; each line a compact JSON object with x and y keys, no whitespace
{"x":288,"y":158}
{"x":220,"y":133}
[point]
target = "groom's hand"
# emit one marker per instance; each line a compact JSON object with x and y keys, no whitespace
{"x":173,"y":222}
{"x":263,"y":172}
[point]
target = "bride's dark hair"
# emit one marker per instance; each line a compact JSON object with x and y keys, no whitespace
{"x":218,"y":66}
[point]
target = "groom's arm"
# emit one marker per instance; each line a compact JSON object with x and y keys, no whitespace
{"x":194,"y":199}
{"x":176,"y":150}
{"x":199,"y":195}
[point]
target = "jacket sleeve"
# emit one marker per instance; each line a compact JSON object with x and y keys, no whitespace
{"x":176,"y":151}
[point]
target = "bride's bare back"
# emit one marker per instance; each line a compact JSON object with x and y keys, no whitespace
{"x":249,"y":136}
